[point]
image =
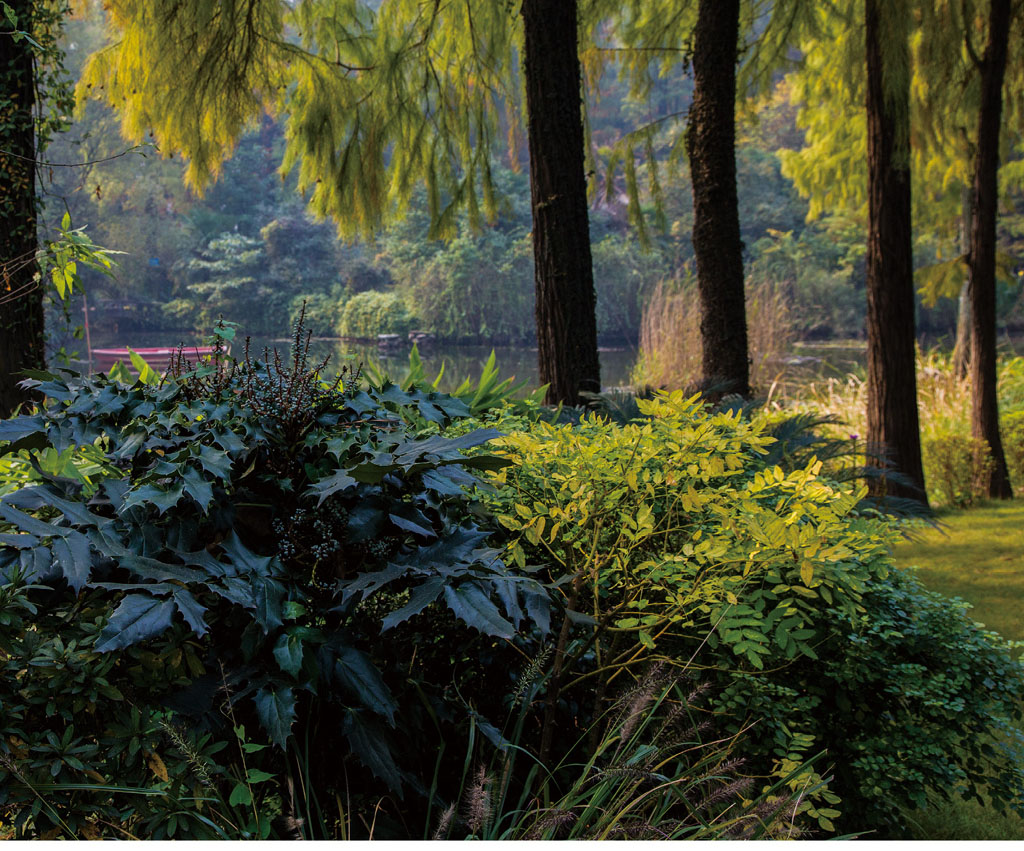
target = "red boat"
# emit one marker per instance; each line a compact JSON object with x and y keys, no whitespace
{"x":158,"y":357}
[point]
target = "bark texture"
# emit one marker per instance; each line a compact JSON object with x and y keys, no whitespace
{"x":21,"y":297}
{"x":563,"y":271}
{"x":984,"y":403}
{"x":711,"y":147}
{"x":893,"y":431}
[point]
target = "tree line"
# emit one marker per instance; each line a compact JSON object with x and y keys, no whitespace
{"x":382,"y":99}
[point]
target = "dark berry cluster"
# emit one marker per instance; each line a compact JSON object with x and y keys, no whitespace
{"x":311,"y":534}
{"x":381,"y":548}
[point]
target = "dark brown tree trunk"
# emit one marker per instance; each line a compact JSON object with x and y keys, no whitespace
{"x":563,"y":271}
{"x":893,"y":431}
{"x":984,"y":402}
{"x":21,"y":297}
{"x":711,"y":147}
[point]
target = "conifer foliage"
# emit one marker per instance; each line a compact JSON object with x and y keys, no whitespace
{"x":379,"y":99}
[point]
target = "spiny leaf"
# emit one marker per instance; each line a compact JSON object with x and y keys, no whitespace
{"x":74,"y":555}
{"x":334,"y":483}
{"x":473,"y":607}
{"x":369,"y":743}
{"x":288,"y":652}
{"x":28,"y":523}
{"x":360,"y":675}
{"x":275,"y":707}
{"x":420,"y":597}
{"x":191,"y":610}
{"x":138,"y":617}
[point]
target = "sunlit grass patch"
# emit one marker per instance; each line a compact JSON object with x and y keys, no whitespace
{"x":977,"y":555}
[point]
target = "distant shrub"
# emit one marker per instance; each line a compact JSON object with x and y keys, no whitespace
{"x":1013,"y":445}
{"x":955,"y":466}
{"x":323,"y":312}
{"x":370,"y":313}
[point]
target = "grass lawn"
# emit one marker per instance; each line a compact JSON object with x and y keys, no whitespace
{"x":977,"y":555}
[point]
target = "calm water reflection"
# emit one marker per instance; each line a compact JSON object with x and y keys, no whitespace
{"x":459,"y":362}
{"x":805,"y":363}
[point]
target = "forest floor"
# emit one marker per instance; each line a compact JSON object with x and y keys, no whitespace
{"x":977,"y":555}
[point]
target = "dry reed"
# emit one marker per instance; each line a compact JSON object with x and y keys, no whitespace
{"x":670,"y":343}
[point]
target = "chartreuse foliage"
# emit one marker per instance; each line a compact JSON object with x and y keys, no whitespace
{"x":253,"y":534}
{"x":682,"y":544}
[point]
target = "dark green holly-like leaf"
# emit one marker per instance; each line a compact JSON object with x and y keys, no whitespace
{"x":39,"y":496}
{"x":358,"y":673}
{"x":215,"y":462}
{"x":420,"y":597}
{"x":448,"y":480}
{"x":411,"y":520}
{"x":28,"y":523}
{"x":37,"y":564}
{"x":269,"y":595}
{"x":406,"y":453}
{"x":191,"y":610}
{"x":538,"y":609}
{"x":244,"y":559}
{"x":138,"y":617}
{"x":163,"y":499}
{"x":74,"y":555}
{"x":373,"y":580}
{"x":334,"y":483}
{"x":472,"y":606}
{"x":25,"y":432}
{"x":370,"y":744}
{"x":288,"y":652}
{"x":20,"y":541}
{"x":455,"y":548}
{"x":275,"y":706}
{"x":197,"y":487}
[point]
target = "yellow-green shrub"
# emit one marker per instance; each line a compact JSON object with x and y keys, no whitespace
{"x":1013,"y":445}
{"x":673,"y":539}
{"x":674,"y":531}
{"x":370,"y":313}
{"x":955,"y":465}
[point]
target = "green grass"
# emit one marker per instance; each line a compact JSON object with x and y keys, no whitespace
{"x":977,"y":555}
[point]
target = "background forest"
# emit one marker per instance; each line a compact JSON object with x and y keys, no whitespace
{"x":248,"y":248}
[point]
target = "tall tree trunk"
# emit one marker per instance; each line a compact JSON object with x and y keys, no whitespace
{"x":563,"y":271}
{"x":21,"y":297}
{"x":711,"y":147}
{"x":893,"y":430}
{"x":984,"y":402}
{"x":962,"y":346}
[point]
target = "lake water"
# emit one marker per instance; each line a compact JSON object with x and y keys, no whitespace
{"x":459,"y":362}
{"x":808,"y":361}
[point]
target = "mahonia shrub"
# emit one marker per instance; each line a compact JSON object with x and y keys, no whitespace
{"x":222,"y":583}
{"x":670,"y":537}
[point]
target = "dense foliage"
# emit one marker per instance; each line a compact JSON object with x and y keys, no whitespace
{"x":692,"y":538}
{"x":247,"y":535}
{"x":236,"y":595}
{"x":479,"y":286}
